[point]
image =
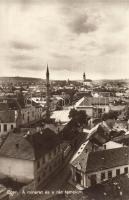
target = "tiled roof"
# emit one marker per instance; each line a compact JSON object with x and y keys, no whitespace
{"x":81,"y":160}
{"x":100,"y":135}
{"x":7,"y":116}
{"x":101,"y":160}
{"x":92,"y":101}
{"x":9,"y":149}
{"x":106,"y":159}
{"x":3,"y":106}
{"x":82,"y":148}
{"x":79,"y":102}
{"x":30,"y":147}
{"x":9,"y":104}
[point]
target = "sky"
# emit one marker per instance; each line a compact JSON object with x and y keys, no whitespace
{"x":71,"y":36}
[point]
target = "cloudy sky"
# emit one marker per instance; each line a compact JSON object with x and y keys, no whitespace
{"x":72,"y":36}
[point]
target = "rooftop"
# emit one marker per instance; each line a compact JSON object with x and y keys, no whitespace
{"x":29,"y":147}
{"x":7,"y":116}
{"x":103,"y":159}
{"x":92,"y":101}
{"x":61,"y":116}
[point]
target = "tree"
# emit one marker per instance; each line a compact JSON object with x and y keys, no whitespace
{"x":82,"y":117}
{"x":73,"y":114}
{"x":78,"y":116}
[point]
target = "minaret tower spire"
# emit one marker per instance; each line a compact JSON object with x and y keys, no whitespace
{"x":84,"y":77}
{"x":47,"y":95}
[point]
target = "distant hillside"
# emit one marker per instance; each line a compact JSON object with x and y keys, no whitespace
{"x":20,"y":79}
{"x":17,"y":79}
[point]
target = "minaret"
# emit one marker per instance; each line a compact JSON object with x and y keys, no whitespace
{"x":84,"y":77}
{"x":47,"y":95}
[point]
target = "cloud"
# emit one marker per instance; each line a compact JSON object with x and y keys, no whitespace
{"x":22,"y":45}
{"x":81,"y":24}
{"x":70,"y":35}
{"x":60,"y":56}
{"x":30,"y":67}
{"x":113,"y":49}
{"x":20,"y":57}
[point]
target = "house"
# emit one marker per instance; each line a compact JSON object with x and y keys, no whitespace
{"x":3,"y":193}
{"x":31,"y":114}
{"x":28,"y":156}
{"x":9,"y":116}
{"x":93,"y":106}
{"x":90,"y":168}
{"x":15,"y":112}
{"x":8,"y":121}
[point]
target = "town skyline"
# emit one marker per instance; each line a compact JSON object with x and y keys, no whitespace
{"x":76,"y":130}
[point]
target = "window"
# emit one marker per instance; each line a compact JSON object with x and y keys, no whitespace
{"x":5,"y":127}
{"x":28,"y":119}
{"x":23,"y":116}
{"x":50,"y":168}
{"x":0,"y":128}
{"x":117,"y":172}
{"x":58,"y":148}
{"x":55,"y":164}
{"x":109,"y":174}
{"x":126,"y":170}
{"x":11,"y":126}
{"x":44,"y":174}
{"x":102,"y":176}
{"x":38,"y":164}
{"x":43,"y":160}
{"x":93,"y":179}
{"x":39,"y":179}
{"x":78,"y":177}
{"x":55,"y":151}
{"x":32,"y":113}
{"x":60,"y":160}
{"x":50,"y":155}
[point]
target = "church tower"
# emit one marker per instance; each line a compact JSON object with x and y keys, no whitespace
{"x":47,"y":95}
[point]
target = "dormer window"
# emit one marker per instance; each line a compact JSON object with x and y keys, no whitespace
{"x":17,"y":145}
